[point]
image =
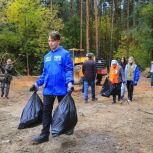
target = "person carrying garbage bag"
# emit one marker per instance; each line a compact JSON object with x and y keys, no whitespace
{"x":57,"y":78}
{"x":64,"y":117}
{"x":116,"y":77}
{"x":32,"y":112}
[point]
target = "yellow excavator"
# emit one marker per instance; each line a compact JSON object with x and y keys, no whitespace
{"x":79,"y":57}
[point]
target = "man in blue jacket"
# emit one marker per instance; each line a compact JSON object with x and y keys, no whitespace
{"x":57,"y":78}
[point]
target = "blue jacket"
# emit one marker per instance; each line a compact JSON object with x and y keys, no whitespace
{"x":136,"y":74}
{"x":57,"y":72}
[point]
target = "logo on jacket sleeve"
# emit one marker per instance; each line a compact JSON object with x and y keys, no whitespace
{"x":48,"y":59}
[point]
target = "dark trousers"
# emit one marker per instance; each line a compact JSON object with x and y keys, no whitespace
{"x":130,"y":88}
{"x":5,"y":88}
{"x":47,"y":112}
{"x":116,"y":91}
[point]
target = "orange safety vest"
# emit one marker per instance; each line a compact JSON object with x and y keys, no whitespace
{"x":114,"y":74}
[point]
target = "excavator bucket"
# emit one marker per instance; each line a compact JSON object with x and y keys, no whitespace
{"x":78,"y":74}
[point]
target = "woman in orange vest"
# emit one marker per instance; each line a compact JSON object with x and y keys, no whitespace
{"x":116,"y":77}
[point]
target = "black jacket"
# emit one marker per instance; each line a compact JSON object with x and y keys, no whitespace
{"x":89,"y":70}
{"x":7,"y":71}
{"x":123,"y":65}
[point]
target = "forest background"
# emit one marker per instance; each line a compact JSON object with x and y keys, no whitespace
{"x":108,"y":28}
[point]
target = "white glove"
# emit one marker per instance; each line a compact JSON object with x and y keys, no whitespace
{"x":69,"y":87}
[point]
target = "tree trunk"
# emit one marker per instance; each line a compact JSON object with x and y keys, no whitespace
{"x":127,"y":26}
{"x":106,"y":42}
{"x":96,"y":28}
{"x":134,"y":22}
{"x":111,"y":37}
{"x":151,"y":55}
{"x":51,"y":5}
{"x":27,"y":56}
{"x":81,"y":22}
{"x":87,"y":26}
{"x":121,"y":16}
{"x":71,"y":7}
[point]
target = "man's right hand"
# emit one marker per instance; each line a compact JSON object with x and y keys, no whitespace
{"x":34,"y":88}
{"x":70,"y":87}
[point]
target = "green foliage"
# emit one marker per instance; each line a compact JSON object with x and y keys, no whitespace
{"x":25,"y":26}
{"x":71,"y":33}
{"x":104,"y":34}
{"x":140,"y":55}
{"x":139,"y":38}
{"x":25,"y":30}
{"x":9,"y":41}
{"x":64,"y":7}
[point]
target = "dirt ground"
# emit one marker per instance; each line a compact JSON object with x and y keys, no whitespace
{"x":102,"y":127}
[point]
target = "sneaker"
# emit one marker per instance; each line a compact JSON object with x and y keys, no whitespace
{"x":119,"y":99}
{"x":114,"y":102}
{"x":1,"y":95}
{"x":70,"y":132}
{"x":40,"y":139}
{"x":121,"y":102}
{"x":86,"y":101}
{"x":122,"y":97}
{"x":94,"y":99}
{"x":129,"y":101}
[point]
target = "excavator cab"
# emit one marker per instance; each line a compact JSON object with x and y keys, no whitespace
{"x":78,"y":56}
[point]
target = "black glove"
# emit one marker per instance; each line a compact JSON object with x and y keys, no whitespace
{"x":34,"y":88}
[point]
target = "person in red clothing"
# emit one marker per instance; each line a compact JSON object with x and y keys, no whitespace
{"x":116,"y":77}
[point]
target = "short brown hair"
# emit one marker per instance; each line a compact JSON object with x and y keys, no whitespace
{"x":54,"y":35}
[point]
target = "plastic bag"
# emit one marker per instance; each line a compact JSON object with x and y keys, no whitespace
{"x":107,"y":88}
{"x":122,"y":90}
{"x":64,"y":117}
{"x":32,"y":112}
{"x":2,"y":76}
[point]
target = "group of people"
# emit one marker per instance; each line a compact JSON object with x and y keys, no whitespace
{"x":57,"y":79}
{"x":6,"y":77}
{"x":123,"y":73}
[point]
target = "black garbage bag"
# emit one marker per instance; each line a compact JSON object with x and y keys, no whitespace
{"x":32,"y":112}
{"x":64,"y":117}
{"x":107,"y":88}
